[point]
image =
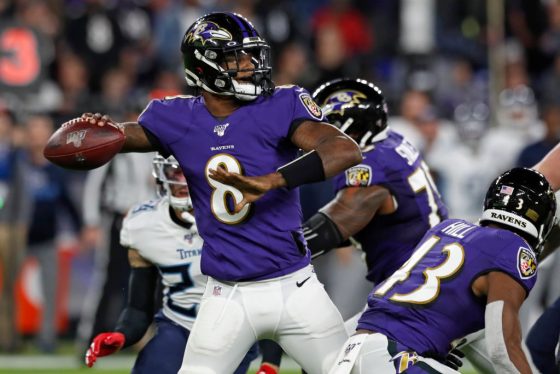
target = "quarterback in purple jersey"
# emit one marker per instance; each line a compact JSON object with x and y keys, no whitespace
{"x":461,"y":278}
{"x":237,"y":144}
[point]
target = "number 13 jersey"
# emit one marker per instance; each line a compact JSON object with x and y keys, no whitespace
{"x":428,"y":302}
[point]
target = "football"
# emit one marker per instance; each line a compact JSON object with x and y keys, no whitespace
{"x":80,"y":145}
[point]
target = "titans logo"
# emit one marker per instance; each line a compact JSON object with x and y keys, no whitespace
{"x":207,"y":32}
{"x":340,"y":100}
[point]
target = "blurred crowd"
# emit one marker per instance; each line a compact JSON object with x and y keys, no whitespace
{"x":476,"y":87}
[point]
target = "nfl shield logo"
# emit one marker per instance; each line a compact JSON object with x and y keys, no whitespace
{"x":76,"y":138}
{"x":217,"y":291}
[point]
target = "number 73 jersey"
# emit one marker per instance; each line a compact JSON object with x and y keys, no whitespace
{"x":428,"y":302}
{"x":388,"y":240}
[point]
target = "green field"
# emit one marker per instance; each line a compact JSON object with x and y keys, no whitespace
{"x":91,"y":371}
{"x":65,"y":361}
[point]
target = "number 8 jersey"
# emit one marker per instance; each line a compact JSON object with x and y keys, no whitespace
{"x":428,"y":302}
{"x":175,"y":250}
{"x":265,"y":239}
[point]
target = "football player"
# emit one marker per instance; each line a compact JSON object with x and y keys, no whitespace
{"x":543,"y":338}
{"x":386,"y":203}
{"x":261,"y":283}
{"x":161,"y":237}
{"x":462,"y":277}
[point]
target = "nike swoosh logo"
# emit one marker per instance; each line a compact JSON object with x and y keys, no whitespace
{"x":299,"y":284}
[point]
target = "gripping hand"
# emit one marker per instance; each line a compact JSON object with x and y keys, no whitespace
{"x":104,"y":344}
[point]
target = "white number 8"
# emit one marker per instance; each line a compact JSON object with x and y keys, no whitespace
{"x":220,"y":193}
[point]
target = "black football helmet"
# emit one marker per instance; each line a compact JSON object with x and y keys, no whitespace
{"x":522,"y":199}
{"x":355,"y":106}
{"x":207,"y":43}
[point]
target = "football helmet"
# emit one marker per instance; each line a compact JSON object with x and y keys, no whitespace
{"x":173,"y":184}
{"x":217,"y":41}
{"x":522,"y":199}
{"x":356,"y":106}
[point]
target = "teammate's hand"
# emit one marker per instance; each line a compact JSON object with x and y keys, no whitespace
{"x":252,"y":188}
{"x":102,"y":120}
{"x":104,"y":344}
{"x":453,"y":359}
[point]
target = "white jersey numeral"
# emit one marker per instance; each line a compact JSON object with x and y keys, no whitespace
{"x":429,"y":290}
{"x":421,"y":180}
{"x":222,"y":192}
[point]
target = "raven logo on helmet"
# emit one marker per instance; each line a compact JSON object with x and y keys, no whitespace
{"x":207,"y":31}
{"x":340,"y":100}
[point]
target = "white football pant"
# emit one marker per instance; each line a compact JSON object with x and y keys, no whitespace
{"x":294,"y":310}
{"x":368,"y":354}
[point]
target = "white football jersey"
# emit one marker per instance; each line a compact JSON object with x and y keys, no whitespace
{"x":174,"y":250}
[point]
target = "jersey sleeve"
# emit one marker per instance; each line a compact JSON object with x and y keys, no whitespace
{"x":305,"y":108}
{"x":125,"y":233}
{"x":362,"y":175}
{"x":517,"y":260}
{"x":159,"y":118}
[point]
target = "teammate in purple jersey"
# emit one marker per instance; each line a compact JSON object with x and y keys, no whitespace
{"x":237,"y":144}
{"x":386,"y":203}
{"x":461,"y":278}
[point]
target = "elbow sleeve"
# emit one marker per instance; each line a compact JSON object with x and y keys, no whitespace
{"x":494,"y":334}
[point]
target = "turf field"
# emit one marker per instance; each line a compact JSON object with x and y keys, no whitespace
{"x":30,"y":361}
{"x":44,"y":365}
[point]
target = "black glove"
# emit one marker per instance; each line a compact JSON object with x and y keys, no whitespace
{"x":453,"y":359}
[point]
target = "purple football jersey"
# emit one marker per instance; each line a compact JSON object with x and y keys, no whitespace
{"x":265,"y":239}
{"x":428,"y":302}
{"x":388,"y":240}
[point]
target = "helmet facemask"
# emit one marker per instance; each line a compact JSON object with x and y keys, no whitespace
{"x":169,"y":175}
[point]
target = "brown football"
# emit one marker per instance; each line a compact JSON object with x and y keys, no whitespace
{"x":80,"y":145}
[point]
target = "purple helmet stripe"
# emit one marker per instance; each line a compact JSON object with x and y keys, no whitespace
{"x":244,"y":25}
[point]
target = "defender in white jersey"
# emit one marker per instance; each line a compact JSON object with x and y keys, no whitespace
{"x":161,"y":236}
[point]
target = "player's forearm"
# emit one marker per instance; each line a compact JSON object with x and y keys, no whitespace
{"x":338,"y":153}
{"x":137,"y":316}
{"x":136,"y":139}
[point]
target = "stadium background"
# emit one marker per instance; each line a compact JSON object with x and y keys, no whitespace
{"x":474,"y":84}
